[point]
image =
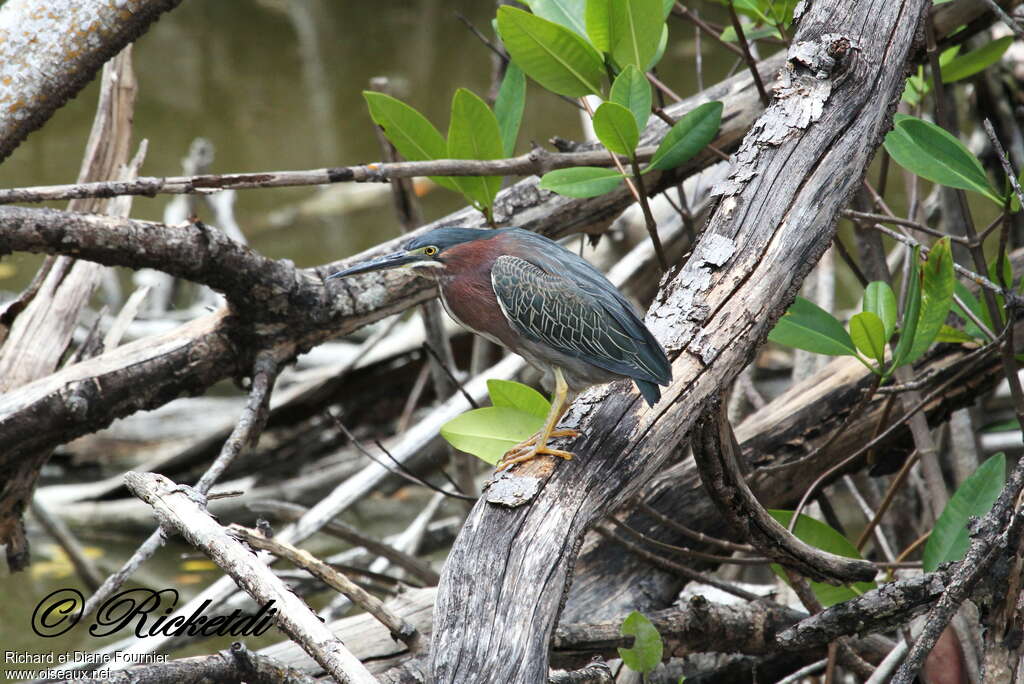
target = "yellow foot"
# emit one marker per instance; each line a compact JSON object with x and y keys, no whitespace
{"x":511,"y":458}
{"x":529,"y":443}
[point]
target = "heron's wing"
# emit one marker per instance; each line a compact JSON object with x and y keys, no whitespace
{"x":556,"y":311}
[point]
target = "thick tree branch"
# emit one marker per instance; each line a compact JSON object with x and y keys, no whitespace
{"x":50,"y":50}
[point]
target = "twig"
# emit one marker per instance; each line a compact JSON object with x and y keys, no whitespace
{"x":536,"y":161}
{"x":747,"y":57}
{"x":715,"y":456}
{"x":402,"y":470}
{"x":246,"y":432}
{"x":177,"y":509}
{"x":679,"y":10}
{"x":974,"y":277}
{"x":635,"y":184}
{"x":399,"y":628}
{"x":887,"y":500}
{"x":676,"y":568}
{"x":693,"y":534}
{"x":842,"y":644}
{"x":292,"y":512}
{"x":896,"y":220}
{"x":1006,"y":18}
{"x":684,"y":551}
{"x":55,"y":527}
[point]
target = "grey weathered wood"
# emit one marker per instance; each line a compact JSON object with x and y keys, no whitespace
{"x":507,"y":576}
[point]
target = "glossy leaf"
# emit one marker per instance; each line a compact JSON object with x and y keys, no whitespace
{"x":554,"y":56}
{"x":508,"y":107}
{"x":647,"y":648}
{"x":489,"y":432}
{"x":821,"y":536}
{"x":976,"y":60}
{"x":937,"y":285}
{"x":868,"y":334}
{"x":581,"y":181}
{"x":809,"y":327}
{"x":518,"y":396}
{"x":632,"y":91}
{"x":688,"y":136}
{"x":474,"y":134}
{"x":597,"y":18}
{"x":410,"y":132}
{"x":636,"y":28}
{"x":911,"y":311}
{"x":880,"y":300}
{"x":933,"y":154}
{"x":629,"y":30}
{"x":949,"y":538}
{"x":616,"y":128}
{"x":568,"y":13}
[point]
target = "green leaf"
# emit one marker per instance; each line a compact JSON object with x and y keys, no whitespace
{"x":616,"y":128}
{"x":508,"y":107}
{"x":949,"y":538}
{"x":410,"y":132}
{"x":688,"y":136}
{"x":489,"y":432}
{"x":629,"y":30}
{"x":632,"y":91}
{"x":809,"y":327}
{"x":911,"y":311}
{"x":949,"y":334}
{"x":568,"y":13}
{"x":936,"y":297}
{"x":868,"y":334}
{"x":636,"y":27}
{"x":821,"y":536}
{"x":880,"y":300}
{"x":518,"y":396}
{"x":597,"y":18}
{"x":474,"y":134}
{"x":976,"y":60}
{"x":647,"y":647}
{"x":554,"y":56}
{"x":933,"y":154}
{"x":581,"y":181}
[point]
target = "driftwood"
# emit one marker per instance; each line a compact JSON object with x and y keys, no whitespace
{"x":506,"y":578}
{"x":175,"y":507}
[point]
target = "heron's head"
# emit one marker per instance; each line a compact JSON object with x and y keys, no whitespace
{"x":424,"y":252}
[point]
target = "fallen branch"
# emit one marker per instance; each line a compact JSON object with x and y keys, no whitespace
{"x":175,"y":507}
{"x":715,"y":450}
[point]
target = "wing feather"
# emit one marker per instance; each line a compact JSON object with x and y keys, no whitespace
{"x":554,"y":310}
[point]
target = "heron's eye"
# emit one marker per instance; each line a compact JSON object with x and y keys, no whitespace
{"x":430,"y":251}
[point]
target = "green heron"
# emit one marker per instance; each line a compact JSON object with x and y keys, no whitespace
{"x":538,"y":299}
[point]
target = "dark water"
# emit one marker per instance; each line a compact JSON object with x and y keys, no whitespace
{"x":277,"y":85}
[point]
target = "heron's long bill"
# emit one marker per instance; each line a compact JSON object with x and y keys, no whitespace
{"x":379,"y":264}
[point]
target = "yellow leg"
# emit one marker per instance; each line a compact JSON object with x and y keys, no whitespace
{"x":538,"y":444}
